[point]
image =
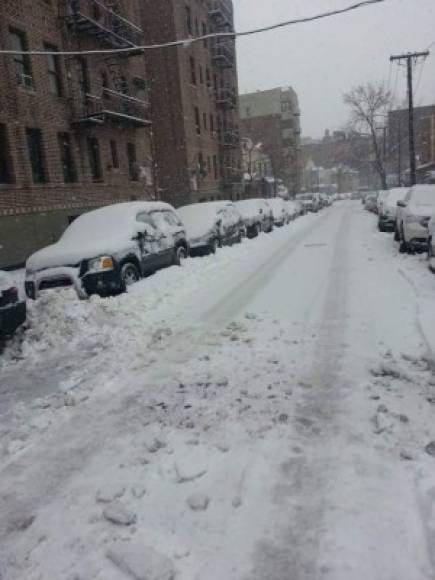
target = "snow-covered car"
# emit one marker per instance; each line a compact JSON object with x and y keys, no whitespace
{"x":293,"y":210}
{"x":380,"y":201}
{"x":310,"y":200}
{"x":279,"y":211}
{"x":325,"y":200}
{"x":300,"y":207}
{"x":370,"y":202}
{"x":12,"y":306}
{"x":256,"y":215}
{"x":106,"y":250}
{"x":211,"y":225}
{"x":387,"y":216}
{"x":414,"y":213}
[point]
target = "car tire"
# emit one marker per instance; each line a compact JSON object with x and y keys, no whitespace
{"x":239,"y":238}
{"x":129,"y":275}
{"x":381,"y":227}
{"x":396,"y":234}
{"x":429,"y":249}
{"x":180,"y":254}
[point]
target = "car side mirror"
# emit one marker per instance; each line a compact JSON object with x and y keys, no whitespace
{"x":401,"y":203}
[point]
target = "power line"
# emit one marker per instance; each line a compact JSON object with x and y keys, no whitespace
{"x":189,"y":41}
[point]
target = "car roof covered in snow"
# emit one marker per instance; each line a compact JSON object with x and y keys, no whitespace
{"x":100,"y":222}
{"x":200,"y":218}
{"x":423,"y":195}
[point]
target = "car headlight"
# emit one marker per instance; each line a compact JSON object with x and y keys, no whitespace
{"x":100,"y":264}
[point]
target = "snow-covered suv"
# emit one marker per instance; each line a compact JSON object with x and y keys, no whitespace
{"x":104,"y":251}
{"x":413,"y":215}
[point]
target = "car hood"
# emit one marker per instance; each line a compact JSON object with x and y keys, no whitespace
{"x":65,"y":253}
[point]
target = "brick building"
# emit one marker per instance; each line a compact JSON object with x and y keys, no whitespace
{"x":398,"y":143}
{"x":194,"y":92}
{"x":74,"y":131}
{"x":272,"y":118}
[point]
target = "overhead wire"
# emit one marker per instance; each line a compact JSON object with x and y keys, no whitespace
{"x":189,"y":41}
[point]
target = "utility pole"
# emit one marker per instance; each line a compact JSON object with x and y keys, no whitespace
{"x":410,"y":57}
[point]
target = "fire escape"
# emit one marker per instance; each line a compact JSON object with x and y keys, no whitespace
{"x":114,"y":101}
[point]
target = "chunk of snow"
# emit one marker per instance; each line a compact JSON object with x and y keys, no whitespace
{"x":110,"y":492}
{"x":119,"y":514}
{"x":186,"y":474}
{"x":141,"y":562}
{"x":138,"y":491}
{"x":198,"y":502}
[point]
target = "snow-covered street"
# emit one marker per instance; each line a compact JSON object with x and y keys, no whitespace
{"x":262,"y":414}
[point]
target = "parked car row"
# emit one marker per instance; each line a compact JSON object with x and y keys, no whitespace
{"x":106,"y":250}
{"x":410,"y":214}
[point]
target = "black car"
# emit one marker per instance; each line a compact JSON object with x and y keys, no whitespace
{"x":12,"y":307}
{"x":106,"y":250}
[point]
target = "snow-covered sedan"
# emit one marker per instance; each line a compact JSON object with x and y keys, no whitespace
{"x":413,"y":216}
{"x":211,"y":225}
{"x":310,"y":200}
{"x":12,"y":306}
{"x":108,"y":249}
{"x":257,"y":216}
{"x":279,"y":211}
{"x":293,"y":210}
{"x":388,"y":213}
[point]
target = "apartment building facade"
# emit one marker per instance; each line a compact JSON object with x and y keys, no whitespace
{"x":74,"y":131}
{"x":398,"y":143}
{"x":194,"y":92}
{"x":272,"y":118}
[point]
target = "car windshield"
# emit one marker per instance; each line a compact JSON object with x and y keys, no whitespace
{"x":217,"y":292}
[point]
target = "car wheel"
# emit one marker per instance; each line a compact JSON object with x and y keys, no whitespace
{"x":381,"y":227}
{"x":429,"y":249}
{"x":239,"y":238}
{"x":129,"y":274}
{"x":396,"y":234}
{"x":180,"y":255}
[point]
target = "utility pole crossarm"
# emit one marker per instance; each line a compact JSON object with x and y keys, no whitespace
{"x":409,"y":58}
{"x":423,"y":54}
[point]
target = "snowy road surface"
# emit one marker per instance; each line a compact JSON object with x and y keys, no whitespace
{"x":261,"y":414}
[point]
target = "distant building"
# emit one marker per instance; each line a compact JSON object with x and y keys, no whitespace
{"x":272,"y":118}
{"x":398,"y":143}
{"x":194,"y":92}
{"x":345,"y":149}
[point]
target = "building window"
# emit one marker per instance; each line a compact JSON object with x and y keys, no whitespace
{"x":204,"y":121}
{"x":132,"y":163}
{"x":104,"y":80}
{"x":85,"y":85}
{"x":67,"y":159}
{"x":23,"y":67}
{"x":215,"y":167}
{"x":201,"y":75}
{"x":192,"y":70}
{"x":204,"y":33}
{"x":201,"y":164}
{"x":211,"y":123}
{"x":140,"y":88}
{"x":94,"y":159}
{"x":36,"y":154}
{"x":197,"y":121}
{"x":207,"y":77}
{"x":208,"y":164}
{"x":189,"y":20}
{"x":54,"y":71}
{"x":114,"y":154}
{"x":6,"y":171}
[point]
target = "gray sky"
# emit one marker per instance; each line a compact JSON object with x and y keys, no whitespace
{"x":322,"y":60}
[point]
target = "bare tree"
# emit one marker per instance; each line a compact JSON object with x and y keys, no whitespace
{"x":367,"y":103}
